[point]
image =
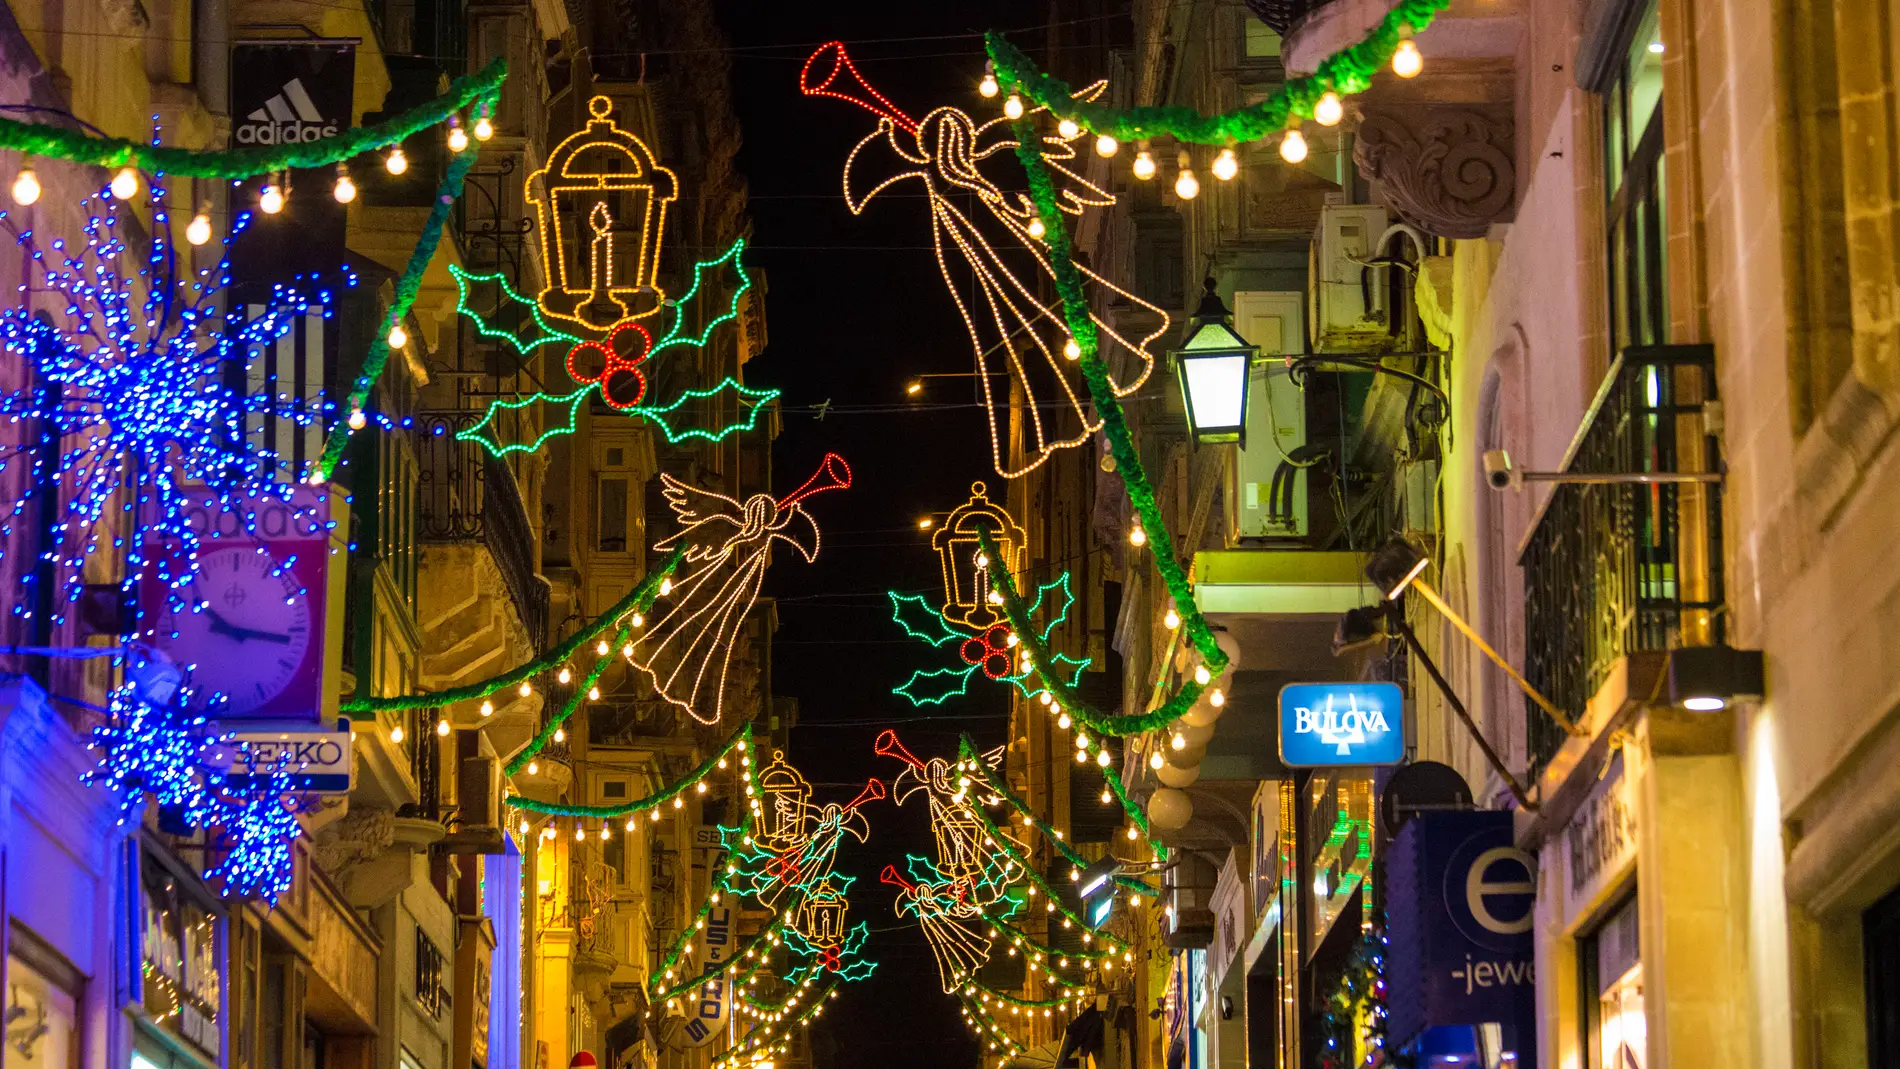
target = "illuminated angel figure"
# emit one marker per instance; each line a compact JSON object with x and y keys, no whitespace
{"x":965,"y":849}
{"x":1019,"y":336}
{"x":686,"y":648}
{"x":953,"y":925}
{"x":138,"y":386}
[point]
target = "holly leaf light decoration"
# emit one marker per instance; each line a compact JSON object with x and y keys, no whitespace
{"x":615,"y":364}
{"x":991,"y":650}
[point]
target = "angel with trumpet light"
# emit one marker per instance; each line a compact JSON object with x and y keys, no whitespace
{"x":1019,"y":336}
{"x":686,"y":649}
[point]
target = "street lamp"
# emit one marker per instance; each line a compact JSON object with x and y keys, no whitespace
{"x":1213,"y":364}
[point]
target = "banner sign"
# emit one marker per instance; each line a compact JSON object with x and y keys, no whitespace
{"x":1599,"y":842}
{"x":1459,"y":901}
{"x":319,"y":761}
{"x":712,"y":1003}
{"x":1324,"y":725}
{"x":290,"y":93}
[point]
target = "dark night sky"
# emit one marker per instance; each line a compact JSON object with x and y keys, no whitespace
{"x":856,"y":307}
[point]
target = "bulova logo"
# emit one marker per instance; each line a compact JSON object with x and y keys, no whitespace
{"x":1344,"y":728}
{"x":288,"y":118}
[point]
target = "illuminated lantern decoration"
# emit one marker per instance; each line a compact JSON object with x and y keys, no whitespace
{"x":961,"y":854}
{"x":820,"y":918}
{"x":786,"y":807}
{"x":600,"y":205}
{"x":966,"y":577}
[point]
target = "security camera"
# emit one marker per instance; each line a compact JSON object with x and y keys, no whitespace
{"x":1498,"y":471}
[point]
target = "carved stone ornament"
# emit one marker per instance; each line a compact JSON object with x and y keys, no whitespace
{"x":1447,"y":170}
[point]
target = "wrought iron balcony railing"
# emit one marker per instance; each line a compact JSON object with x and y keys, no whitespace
{"x":465,"y":495}
{"x":1280,"y":15}
{"x":1615,"y":569}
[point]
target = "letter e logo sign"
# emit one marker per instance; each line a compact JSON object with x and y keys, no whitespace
{"x":1501,"y":872}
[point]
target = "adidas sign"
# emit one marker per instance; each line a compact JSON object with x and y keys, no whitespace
{"x":288,"y":118}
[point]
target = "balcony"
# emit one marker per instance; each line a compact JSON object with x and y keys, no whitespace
{"x":1612,"y":570}
{"x":463,"y":495}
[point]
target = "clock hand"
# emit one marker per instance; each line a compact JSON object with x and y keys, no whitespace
{"x":221,"y":626}
{"x":267,"y":636}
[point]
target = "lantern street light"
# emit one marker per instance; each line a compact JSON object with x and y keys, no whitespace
{"x":1214,"y":364}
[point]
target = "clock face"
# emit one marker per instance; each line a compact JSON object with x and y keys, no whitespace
{"x":250,"y":640}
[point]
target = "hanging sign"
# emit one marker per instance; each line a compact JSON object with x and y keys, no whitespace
{"x":712,"y":1002}
{"x":318,"y":761}
{"x":1324,"y":725}
{"x":290,"y":93}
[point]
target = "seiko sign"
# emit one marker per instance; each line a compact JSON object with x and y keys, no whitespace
{"x":1329,"y":724}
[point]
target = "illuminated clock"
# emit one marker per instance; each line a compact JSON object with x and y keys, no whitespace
{"x":252,"y":640}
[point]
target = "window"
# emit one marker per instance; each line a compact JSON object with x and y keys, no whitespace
{"x":1616,"y":1031}
{"x":42,"y":1006}
{"x":183,"y":984}
{"x":613,"y":515}
{"x":431,"y":994}
{"x":1633,"y":162}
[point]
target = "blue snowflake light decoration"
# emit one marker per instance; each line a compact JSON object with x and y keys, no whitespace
{"x":138,"y":400}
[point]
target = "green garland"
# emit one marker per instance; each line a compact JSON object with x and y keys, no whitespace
{"x":968,"y":753}
{"x":639,"y":599}
{"x":738,"y":955}
{"x":988,"y":1024}
{"x":52,"y":142}
{"x":1018,"y":1000}
{"x":751,"y":1048}
{"x":553,"y":724}
{"x":1024,"y":940}
{"x":407,"y":286}
{"x":1002,"y":841}
{"x":1346,"y":71}
{"x":651,"y":801}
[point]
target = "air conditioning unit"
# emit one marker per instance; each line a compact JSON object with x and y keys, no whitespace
{"x":1190,"y":924}
{"x":1266,"y":490}
{"x":1348,"y":307}
{"x":478,"y":804}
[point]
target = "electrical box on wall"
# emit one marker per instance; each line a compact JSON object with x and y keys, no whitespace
{"x":1348,"y":302}
{"x":1266,"y":492}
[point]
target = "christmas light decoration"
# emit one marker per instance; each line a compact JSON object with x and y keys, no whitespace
{"x":1346,"y":71}
{"x":1016,"y":335}
{"x":794,"y":844}
{"x":988,"y":649}
{"x":686,"y":649}
{"x":601,"y":270}
{"x":131,"y":390}
{"x":597,"y":363}
{"x":77,"y":146}
{"x":966,"y":570}
{"x":998,"y":787}
{"x":26,"y":187}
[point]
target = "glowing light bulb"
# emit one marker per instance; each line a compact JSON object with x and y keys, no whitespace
{"x":1202,"y":675}
{"x":1063,"y":721}
{"x":1081,"y":740}
{"x":1103,"y":758}
{"x":606,"y":833}
{"x":630,"y":825}
{"x":396,"y":734}
{"x":564,"y":675}
{"x":345,"y":190}
{"x":125,"y":184}
{"x":988,"y":87}
{"x":1178,"y":742}
{"x":398,"y":337}
{"x":593,"y":694}
{"x":1071,"y":350}
{"x":560,"y":734}
{"x":1293,"y":147}
{"x":580,"y":833}
{"x":1013,"y":107}
{"x":458,"y":138}
{"x":1131,"y":835}
{"x":396,"y":162}
{"x":199,"y":230}
{"x":524,"y":689}
{"x":1107,"y":796}
{"x":1329,"y":110}
{"x":1144,"y":166}
{"x":601,"y":647}
{"x":442,"y":727}
{"x":1106,"y":146}
{"x":271,"y":200}
{"x":26,"y":188}
{"x":996,"y":597}
{"x":627,"y":650}
{"x":1186,"y":186}
{"x":1036,"y":229}
{"x":1137,"y":537}
{"x":1068,"y":130}
{"x":666,"y":587}
{"x":1217,"y":699}
{"x":1226,"y":165}
{"x":1406,"y":62}
{"x":1155,"y":760}
{"x":1081,"y":757}
{"x":357,"y":419}
{"x":700,"y":787}
{"x":484,"y":129}
{"x":488,"y":708}
{"x":1171,"y":619}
